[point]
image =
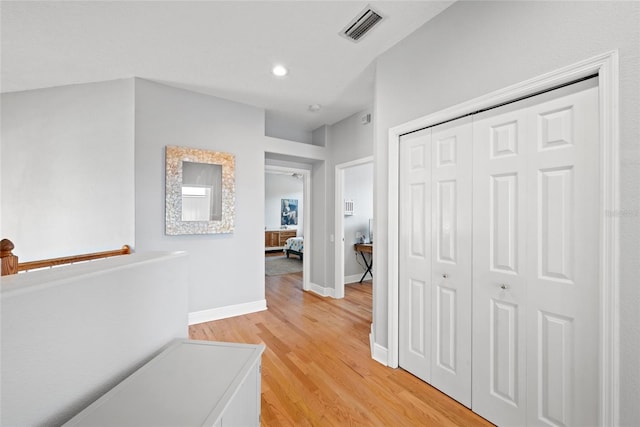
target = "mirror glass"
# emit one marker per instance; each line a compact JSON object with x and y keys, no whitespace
{"x":201,"y":192}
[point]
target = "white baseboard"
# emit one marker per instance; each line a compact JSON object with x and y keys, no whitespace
{"x":353,"y":278}
{"x":226,"y":311}
{"x":321,"y":290}
{"x":378,"y":352}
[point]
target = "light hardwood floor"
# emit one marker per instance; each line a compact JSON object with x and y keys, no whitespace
{"x":317,"y":369}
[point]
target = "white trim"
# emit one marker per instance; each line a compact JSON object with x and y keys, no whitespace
{"x":339,"y":279}
{"x":378,"y":352}
{"x":306,"y":218}
{"x":226,"y":311}
{"x":322,"y":291}
{"x":355,"y":278}
{"x":606,"y":66}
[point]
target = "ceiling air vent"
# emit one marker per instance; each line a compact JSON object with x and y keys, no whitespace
{"x":361,"y":24}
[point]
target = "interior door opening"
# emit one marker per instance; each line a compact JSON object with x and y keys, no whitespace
{"x":353,"y":223}
{"x":288,"y":220}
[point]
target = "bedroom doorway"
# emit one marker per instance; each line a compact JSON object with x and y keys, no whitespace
{"x":287,"y":220}
{"x":353,"y":223}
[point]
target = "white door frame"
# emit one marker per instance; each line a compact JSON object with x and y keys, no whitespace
{"x":306,"y":218}
{"x":339,"y":221}
{"x":606,"y":67}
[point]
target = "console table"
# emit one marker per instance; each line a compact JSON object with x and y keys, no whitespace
{"x":190,"y":383}
{"x":275,"y":239}
{"x":365,"y":248}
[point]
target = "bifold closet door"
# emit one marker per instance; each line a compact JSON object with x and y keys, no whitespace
{"x":535,"y":269}
{"x":435,"y":257}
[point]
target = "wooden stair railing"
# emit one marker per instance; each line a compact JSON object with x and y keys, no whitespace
{"x":10,"y":264}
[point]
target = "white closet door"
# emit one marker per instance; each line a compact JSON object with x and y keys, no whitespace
{"x":562,"y":289}
{"x":415,"y":254}
{"x":451,"y":259}
{"x":499,"y":267}
{"x":535,"y":338}
{"x":435,"y":257}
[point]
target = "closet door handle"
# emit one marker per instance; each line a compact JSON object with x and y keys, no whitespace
{"x":504,"y":286}
{"x":445,"y":276}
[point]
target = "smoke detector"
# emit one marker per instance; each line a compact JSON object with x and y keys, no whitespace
{"x":361,"y":24}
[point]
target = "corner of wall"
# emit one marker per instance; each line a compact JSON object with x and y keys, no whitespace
{"x":378,"y":352}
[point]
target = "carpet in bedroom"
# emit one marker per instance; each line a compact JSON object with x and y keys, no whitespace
{"x":277,"y":265}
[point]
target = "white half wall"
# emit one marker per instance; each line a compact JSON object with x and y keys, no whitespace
{"x":67,"y":169}
{"x":71,"y":333}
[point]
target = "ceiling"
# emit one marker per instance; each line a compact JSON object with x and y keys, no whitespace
{"x":221,"y":48}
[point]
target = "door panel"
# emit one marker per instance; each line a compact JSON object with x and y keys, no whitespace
{"x":451,"y":263}
{"x":445,"y":231}
{"x":435,"y":257}
{"x":535,"y":171}
{"x":555,"y":366}
{"x":499,"y":273}
{"x":446,"y":309}
{"x":415,"y":255}
{"x":562,"y":316}
{"x":503,"y":222}
{"x":503,"y":344}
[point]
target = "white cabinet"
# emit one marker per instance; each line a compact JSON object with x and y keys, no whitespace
{"x":190,"y":383}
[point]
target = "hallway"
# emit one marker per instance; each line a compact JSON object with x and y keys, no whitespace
{"x":317,"y":369}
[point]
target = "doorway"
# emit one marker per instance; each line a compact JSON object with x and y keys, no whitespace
{"x":288,"y":216}
{"x":357,"y":220}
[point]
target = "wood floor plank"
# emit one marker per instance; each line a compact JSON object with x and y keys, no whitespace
{"x":317,"y":369}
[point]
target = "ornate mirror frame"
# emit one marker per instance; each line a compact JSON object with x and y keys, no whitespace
{"x":224,"y":186}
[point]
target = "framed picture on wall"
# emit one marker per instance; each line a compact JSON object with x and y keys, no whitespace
{"x":289,"y":212}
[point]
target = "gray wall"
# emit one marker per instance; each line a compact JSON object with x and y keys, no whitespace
{"x":346,"y":141}
{"x":277,"y":126}
{"x":224,"y":269}
{"x":67,"y":169}
{"x":474,"y":48}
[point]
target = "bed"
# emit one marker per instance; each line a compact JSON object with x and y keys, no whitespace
{"x":295,"y":246}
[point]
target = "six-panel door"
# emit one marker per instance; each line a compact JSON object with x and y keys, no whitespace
{"x":530,"y":226}
{"x":435,"y":263}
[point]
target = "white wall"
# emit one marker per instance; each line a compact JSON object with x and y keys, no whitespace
{"x":67,"y":169}
{"x":224,"y":269}
{"x":474,"y":48}
{"x":279,"y":186}
{"x":71,"y":333}
{"x":358,"y":186}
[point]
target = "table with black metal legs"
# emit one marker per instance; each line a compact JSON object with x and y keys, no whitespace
{"x":365,"y":248}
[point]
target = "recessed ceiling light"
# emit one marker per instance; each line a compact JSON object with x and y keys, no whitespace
{"x":279,"y":71}
{"x":314,"y":108}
